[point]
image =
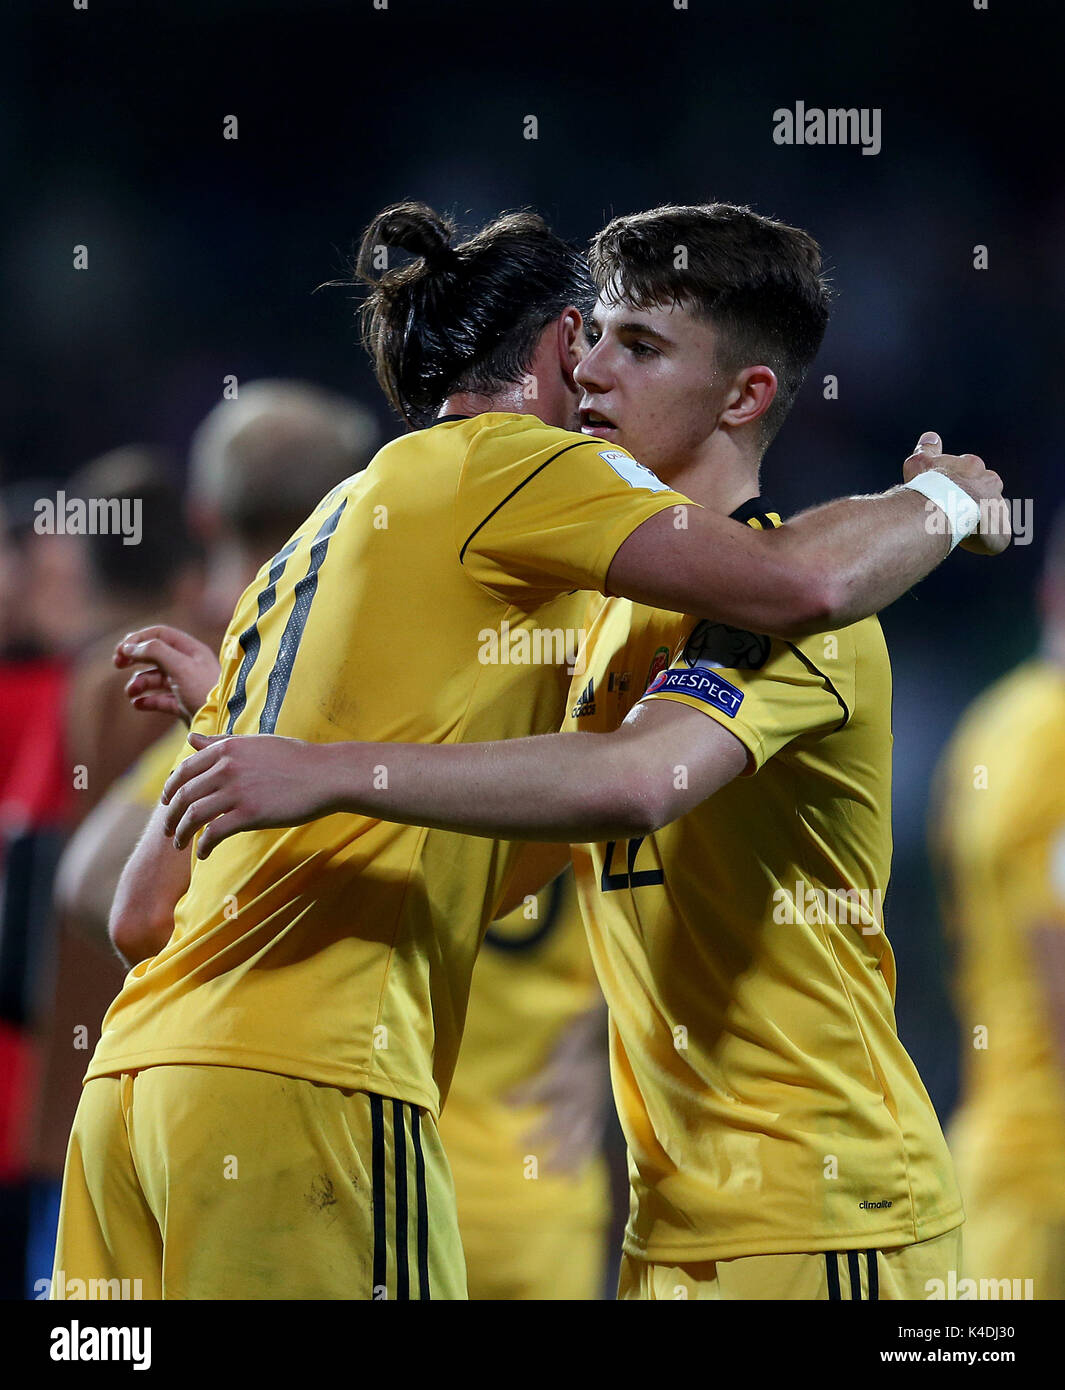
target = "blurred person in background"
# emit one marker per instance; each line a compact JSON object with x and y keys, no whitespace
{"x":44,"y":613}
{"x":998,"y":837}
{"x":257,"y":465}
{"x":151,"y":568}
{"x":136,"y":556}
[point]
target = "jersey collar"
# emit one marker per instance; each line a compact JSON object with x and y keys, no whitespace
{"x":756,"y":509}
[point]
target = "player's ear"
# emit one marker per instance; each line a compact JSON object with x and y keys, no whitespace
{"x":752,"y":393}
{"x":572,"y":344}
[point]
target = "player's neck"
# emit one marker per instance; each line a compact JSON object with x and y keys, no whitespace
{"x":511,"y":401}
{"x":719,"y":475}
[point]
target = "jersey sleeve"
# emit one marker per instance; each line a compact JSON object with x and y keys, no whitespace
{"x":764,"y":691}
{"x":542,"y":512}
{"x":205,"y":720}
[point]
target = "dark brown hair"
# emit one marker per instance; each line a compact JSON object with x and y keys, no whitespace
{"x":759,"y":282}
{"x":465,"y":316}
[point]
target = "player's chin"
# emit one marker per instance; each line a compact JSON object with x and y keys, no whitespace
{"x":615,"y":437}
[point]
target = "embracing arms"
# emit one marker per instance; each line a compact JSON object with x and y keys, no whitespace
{"x":554,"y":787}
{"x":827,"y":568}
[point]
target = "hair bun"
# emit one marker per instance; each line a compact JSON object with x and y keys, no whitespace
{"x":412,"y":227}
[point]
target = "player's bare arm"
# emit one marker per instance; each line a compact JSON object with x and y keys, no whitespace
{"x":827,"y":568}
{"x":94,"y":858}
{"x":154,"y":879}
{"x":574,"y":787}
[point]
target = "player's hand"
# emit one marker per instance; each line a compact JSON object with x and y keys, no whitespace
{"x":574,"y":1087}
{"x":181,"y":673}
{"x":982,"y":484}
{"x":248,"y":782}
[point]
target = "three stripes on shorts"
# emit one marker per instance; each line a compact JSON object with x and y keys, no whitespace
{"x":854,"y":1260}
{"x":409,"y":1204}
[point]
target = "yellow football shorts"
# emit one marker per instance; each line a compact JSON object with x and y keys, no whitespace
{"x":213,"y":1182}
{"x":904,"y":1272}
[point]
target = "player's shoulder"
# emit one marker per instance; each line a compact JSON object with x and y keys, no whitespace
{"x":1021,"y":716}
{"x":504,"y":424}
{"x":985,"y":773}
{"x":861,"y":645}
{"x":860,"y":642}
{"x":514,"y":436}
{"x":503,"y":453}
{"x":850,"y":665}
{"x":1030,"y":695}
{"x":710,"y":643}
{"x":867,"y":643}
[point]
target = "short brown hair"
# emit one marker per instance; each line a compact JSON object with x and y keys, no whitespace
{"x":758,"y":281}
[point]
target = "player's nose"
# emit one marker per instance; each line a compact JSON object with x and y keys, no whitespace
{"x":590,"y":372}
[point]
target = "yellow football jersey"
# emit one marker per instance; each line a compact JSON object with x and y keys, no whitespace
{"x":766,"y":1099}
{"x":143,"y":782}
{"x":534,"y":976}
{"x":1000,"y":838}
{"x":415,"y":604}
{"x":533,"y":980}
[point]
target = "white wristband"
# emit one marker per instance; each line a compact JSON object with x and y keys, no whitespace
{"x":962,"y":512}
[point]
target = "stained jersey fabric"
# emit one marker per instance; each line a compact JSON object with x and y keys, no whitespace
{"x":767,"y":1102}
{"x":999,"y":838}
{"x":341,"y":951}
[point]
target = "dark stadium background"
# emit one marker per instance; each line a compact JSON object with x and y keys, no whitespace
{"x":205,"y":252}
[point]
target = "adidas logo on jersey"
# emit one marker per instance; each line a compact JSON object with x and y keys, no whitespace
{"x":586,"y":704}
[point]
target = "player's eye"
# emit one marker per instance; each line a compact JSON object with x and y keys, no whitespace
{"x":593,"y":335}
{"x":642,"y":350}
